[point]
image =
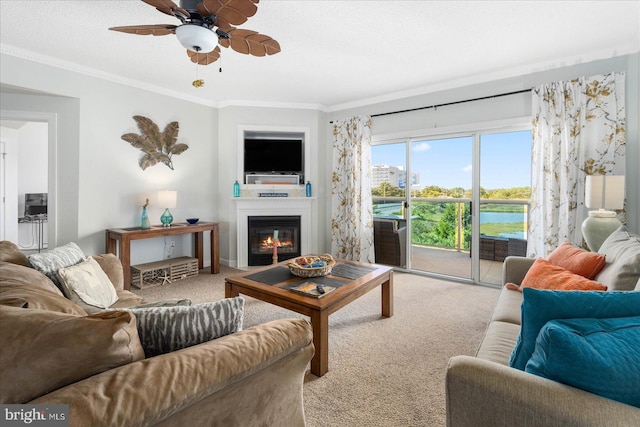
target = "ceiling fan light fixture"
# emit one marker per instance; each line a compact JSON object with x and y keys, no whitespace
{"x":197,"y":38}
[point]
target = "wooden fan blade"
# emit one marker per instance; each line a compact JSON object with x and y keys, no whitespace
{"x":145,"y":30}
{"x":165,"y":6}
{"x":250,"y":43}
{"x":205,"y":58}
{"x":235,"y":12}
{"x":224,"y":25}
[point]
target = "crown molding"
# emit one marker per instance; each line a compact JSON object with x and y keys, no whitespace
{"x":266,"y":104}
{"x":631,"y":48}
{"x":92,"y":72}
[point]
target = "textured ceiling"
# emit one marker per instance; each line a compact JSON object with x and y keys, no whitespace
{"x":334,"y":53}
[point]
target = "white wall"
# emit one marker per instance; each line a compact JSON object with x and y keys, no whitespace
{"x":100,"y":183}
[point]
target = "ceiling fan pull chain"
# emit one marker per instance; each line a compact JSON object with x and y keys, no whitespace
{"x":198,"y":82}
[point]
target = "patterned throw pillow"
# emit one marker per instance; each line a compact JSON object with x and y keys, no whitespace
{"x":51,"y":261}
{"x":87,"y":282}
{"x":166,"y":329}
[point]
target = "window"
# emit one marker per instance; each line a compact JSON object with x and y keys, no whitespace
{"x":442,"y":179}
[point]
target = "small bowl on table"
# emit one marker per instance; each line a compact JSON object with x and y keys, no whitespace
{"x":192,"y":220}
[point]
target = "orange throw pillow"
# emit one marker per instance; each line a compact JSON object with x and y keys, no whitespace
{"x":544,"y":275}
{"x":577,"y":260}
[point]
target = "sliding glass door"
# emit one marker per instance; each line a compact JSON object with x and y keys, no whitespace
{"x":505,"y":189}
{"x":462,"y":198}
{"x":440,"y":205}
{"x":389,"y":183}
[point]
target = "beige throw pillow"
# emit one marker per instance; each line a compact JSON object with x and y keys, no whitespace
{"x":622,"y":270}
{"x":88,"y":283}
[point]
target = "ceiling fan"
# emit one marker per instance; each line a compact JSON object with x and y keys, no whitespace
{"x":207,"y":25}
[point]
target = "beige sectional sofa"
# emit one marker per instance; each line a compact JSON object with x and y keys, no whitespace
{"x":484,"y":391}
{"x":53,"y":352}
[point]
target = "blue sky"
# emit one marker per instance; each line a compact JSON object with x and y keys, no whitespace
{"x":505,"y":160}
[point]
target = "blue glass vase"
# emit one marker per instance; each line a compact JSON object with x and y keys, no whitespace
{"x":145,"y":224}
{"x":166,"y":218}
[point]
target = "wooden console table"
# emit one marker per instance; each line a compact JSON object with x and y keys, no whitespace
{"x":125,"y":235}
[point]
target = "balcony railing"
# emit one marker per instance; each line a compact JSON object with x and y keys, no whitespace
{"x":446,"y":222}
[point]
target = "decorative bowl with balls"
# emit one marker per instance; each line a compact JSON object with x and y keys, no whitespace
{"x":311,"y":265}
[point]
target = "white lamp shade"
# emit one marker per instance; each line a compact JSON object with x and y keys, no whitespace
{"x":167,"y":199}
{"x":197,"y":38}
{"x":604,"y":192}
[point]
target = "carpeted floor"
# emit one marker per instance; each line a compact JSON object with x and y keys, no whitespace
{"x":382,"y":371}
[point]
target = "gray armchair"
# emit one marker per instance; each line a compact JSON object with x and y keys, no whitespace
{"x":390,"y":242}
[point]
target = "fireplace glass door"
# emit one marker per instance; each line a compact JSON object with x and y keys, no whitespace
{"x":261,"y":238}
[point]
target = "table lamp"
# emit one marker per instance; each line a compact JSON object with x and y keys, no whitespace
{"x":168,"y":200}
{"x":602,"y":193}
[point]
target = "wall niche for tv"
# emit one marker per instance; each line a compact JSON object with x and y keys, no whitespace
{"x":273,"y":157}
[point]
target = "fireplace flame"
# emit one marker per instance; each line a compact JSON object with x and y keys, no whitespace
{"x":268,"y":243}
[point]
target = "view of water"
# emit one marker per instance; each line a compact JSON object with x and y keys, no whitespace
{"x":501,"y":217}
{"x":485,"y":218}
{"x":504,"y":218}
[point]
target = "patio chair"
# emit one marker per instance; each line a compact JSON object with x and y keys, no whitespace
{"x":390,"y":242}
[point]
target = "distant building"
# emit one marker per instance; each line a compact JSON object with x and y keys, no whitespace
{"x":394,"y":175}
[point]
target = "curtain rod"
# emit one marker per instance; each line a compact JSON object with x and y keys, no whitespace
{"x":450,"y":103}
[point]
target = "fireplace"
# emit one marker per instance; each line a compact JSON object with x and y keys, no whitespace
{"x":260,"y":238}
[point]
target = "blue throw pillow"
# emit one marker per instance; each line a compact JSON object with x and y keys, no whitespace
{"x":601,"y":356}
{"x":540,"y":306}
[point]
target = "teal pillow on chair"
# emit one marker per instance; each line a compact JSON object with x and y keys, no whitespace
{"x":540,"y":306}
{"x":601,"y":356}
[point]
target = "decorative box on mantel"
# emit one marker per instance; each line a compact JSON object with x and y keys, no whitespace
{"x":274,"y":206}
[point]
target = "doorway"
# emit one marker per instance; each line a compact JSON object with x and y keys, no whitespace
{"x":27,"y":179}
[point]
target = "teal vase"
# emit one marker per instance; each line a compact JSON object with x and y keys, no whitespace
{"x":144,"y":221}
{"x":166,"y":218}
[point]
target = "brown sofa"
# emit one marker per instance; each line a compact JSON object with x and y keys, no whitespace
{"x":53,"y":352}
{"x":485,"y":391}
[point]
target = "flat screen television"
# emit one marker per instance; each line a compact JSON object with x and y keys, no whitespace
{"x":273,"y":156}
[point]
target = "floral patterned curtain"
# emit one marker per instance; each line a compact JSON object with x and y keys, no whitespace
{"x":578,"y":130}
{"x":352,"y":212}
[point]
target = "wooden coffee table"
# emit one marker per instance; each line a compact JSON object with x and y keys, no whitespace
{"x":270,"y":283}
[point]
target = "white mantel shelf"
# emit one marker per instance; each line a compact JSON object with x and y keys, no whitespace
{"x":241,"y":200}
{"x":273,"y":206}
